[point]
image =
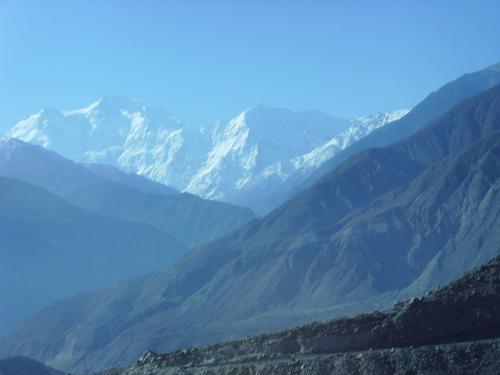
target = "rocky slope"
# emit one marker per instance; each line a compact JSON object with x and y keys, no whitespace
{"x":388,"y":223}
{"x":239,"y":161}
{"x":452,"y":330}
{"x":190,"y":219}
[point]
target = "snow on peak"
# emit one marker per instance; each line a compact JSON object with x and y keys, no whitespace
{"x":256,"y":146}
{"x":239,"y":161}
{"x":118,"y":131}
{"x":358,"y":129}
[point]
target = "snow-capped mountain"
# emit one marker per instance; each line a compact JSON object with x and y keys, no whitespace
{"x":263,"y":147}
{"x":358,"y":129}
{"x":121,"y":132}
{"x":239,"y":161}
{"x":251,"y":153}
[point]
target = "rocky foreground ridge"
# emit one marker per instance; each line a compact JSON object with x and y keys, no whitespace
{"x":453,"y":330}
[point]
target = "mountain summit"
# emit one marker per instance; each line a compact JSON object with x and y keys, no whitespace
{"x":240,"y":161}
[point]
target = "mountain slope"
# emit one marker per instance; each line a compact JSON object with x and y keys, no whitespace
{"x":425,"y":334}
{"x":263,"y":147}
{"x":388,"y":223}
{"x":38,"y":166}
{"x":258,"y":159}
{"x":239,"y":161}
{"x":50,"y":247}
{"x":432,"y":107}
{"x":132,"y":180}
{"x":121,"y":132}
{"x":193,"y":220}
{"x":114,"y":193}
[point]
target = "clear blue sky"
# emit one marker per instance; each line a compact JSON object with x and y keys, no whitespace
{"x":207,"y":60}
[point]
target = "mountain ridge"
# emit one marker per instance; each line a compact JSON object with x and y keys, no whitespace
{"x":238,"y":161}
{"x":49,"y":247}
{"x":432,"y":107}
{"x":355,"y":235}
{"x":136,"y":198}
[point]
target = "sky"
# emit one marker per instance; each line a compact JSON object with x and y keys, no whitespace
{"x":208,"y":60}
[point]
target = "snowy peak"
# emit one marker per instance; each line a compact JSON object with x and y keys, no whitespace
{"x":381,"y":118}
{"x":358,"y":129}
{"x":118,"y":131}
{"x":288,"y":132}
{"x":252,"y":151}
{"x":238,"y":161}
{"x":264,"y":146}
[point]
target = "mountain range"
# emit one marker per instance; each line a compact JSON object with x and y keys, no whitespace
{"x":49,"y":248}
{"x":433,"y":106}
{"x":62,"y":221}
{"x":108,"y":191}
{"x":387,"y":223}
{"x":241,"y":161}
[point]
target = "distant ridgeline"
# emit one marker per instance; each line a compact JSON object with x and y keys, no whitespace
{"x":61,"y":222}
{"x":386,"y":224}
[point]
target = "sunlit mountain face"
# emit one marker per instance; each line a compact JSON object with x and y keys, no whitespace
{"x":241,"y":161}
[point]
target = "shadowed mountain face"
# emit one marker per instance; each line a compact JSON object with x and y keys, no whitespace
{"x":50,"y":249}
{"x":25,"y":366}
{"x":452,"y":330}
{"x":38,"y":166}
{"x":190,"y":219}
{"x":431,"y":108}
{"x":108,"y":191}
{"x":387,"y":223}
{"x":111,"y":174}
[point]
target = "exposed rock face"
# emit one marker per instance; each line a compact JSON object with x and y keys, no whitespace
{"x":453,"y":330}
